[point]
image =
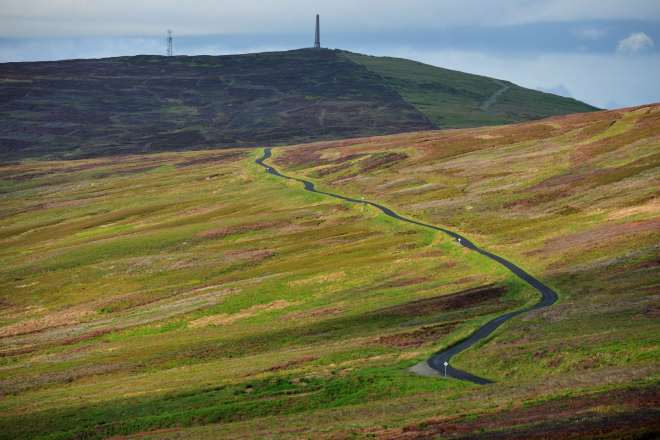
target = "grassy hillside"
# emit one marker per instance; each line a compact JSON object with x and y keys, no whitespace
{"x":150,"y":104}
{"x":195,"y":295}
{"x":148,"y":292}
{"x":454,"y":99}
{"x":572,"y":199}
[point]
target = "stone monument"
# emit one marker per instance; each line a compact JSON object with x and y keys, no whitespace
{"x":317,"y":40}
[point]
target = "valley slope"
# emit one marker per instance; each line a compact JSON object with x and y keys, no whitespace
{"x":193,"y":292}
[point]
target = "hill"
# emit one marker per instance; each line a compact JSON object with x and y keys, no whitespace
{"x":573,"y":199}
{"x":149,"y":104}
{"x":193,"y":293}
{"x":454,"y":99}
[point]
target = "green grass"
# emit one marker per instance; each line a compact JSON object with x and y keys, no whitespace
{"x":453,"y":99}
{"x":229,"y":403}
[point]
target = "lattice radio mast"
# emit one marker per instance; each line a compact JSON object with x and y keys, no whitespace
{"x":169,"y":43}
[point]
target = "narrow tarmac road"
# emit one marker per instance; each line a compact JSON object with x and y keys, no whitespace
{"x":437,"y":361}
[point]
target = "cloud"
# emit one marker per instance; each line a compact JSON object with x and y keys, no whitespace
{"x":636,"y":42}
{"x":559,"y":89}
{"x":103,"y":18}
{"x":588,"y":32}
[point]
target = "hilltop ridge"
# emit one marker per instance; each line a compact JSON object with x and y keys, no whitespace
{"x":147,"y":104}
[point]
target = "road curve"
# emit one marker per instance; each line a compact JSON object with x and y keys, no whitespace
{"x":437,"y":361}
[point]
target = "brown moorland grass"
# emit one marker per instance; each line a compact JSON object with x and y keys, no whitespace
{"x":458,"y":300}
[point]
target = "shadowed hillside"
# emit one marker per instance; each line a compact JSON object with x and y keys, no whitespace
{"x":149,"y":104}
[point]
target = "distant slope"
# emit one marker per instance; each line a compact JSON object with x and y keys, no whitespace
{"x":454,"y":99}
{"x":146,"y":104}
{"x":141,"y":104}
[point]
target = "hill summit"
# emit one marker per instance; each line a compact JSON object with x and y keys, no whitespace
{"x":142,"y":104}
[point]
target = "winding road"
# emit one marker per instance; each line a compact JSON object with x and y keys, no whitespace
{"x":437,"y":361}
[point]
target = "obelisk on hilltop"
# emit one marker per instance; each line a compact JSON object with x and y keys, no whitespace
{"x":317,"y":40}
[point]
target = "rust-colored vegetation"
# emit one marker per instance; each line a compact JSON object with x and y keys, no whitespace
{"x":423,"y":336}
{"x":236,"y":230}
{"x":586,"y":416}
{"x":299,"y":361}
{"x":462,"y":300}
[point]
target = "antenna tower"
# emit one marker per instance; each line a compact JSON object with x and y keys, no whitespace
{"x":169,"y":43}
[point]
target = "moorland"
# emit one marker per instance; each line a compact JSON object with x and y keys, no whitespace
{"x":79,"y":109}
{"x":189,"y":294}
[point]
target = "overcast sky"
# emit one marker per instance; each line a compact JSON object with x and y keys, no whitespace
{"x":604,"y":52}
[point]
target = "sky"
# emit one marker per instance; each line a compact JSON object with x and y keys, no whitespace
{"x":603,"y":52}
